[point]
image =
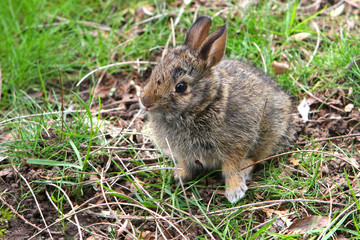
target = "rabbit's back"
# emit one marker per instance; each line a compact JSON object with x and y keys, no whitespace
{"x":256,"y":107}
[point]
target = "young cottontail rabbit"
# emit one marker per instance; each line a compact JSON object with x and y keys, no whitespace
{"x":214,"y":113}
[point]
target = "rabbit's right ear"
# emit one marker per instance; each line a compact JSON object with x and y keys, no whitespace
{"x":213,"y":48}
{"x":198,"y":32}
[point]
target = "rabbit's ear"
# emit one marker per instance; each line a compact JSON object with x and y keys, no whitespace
{"x":213,"y":48}
{"x":198,"y":32}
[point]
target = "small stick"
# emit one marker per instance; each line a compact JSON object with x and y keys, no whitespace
{"x":312,"y":95}
{"x":315,"y":4}
{"x":262,"y":56}
{"x":149,"y":19}
{"x":56,"y":112}
{"x":112,"y":65}
{"x":317,"y":43}
{"x":279,"y":201}
{"x":330,"y":138}
{"x":173,"y":32}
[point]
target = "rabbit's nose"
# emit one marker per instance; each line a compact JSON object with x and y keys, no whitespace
{"x":146,"y":101}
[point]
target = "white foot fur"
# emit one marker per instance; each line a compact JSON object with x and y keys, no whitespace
{"x":233,"y":194}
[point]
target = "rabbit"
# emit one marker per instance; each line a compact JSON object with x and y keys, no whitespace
{"x":213,"y":113}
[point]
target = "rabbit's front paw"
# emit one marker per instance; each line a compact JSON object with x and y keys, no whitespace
{"x":235,"y":192}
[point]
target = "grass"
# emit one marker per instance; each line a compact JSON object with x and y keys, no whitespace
{"x":66,"y":148}
{"x":5,"y":216}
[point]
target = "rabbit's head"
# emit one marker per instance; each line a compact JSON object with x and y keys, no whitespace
{"x":184,"y":81}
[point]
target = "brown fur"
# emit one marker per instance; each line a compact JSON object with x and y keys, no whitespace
{"x":230,"y":115}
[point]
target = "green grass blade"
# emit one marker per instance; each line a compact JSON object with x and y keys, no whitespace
{"x":49,"y":162}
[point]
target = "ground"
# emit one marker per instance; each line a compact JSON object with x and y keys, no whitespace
{"x":122,"y":187}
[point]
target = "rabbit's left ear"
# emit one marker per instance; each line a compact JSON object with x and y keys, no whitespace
{"x":212,"y":49}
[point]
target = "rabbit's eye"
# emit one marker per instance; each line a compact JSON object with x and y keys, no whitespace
{"x":181,"y":87}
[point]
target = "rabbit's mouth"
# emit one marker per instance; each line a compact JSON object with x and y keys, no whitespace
{"x":147,"y":109}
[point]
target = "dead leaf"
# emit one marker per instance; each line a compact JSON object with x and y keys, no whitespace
{"x":7,"y":137}
{"x":349,"y":107}
{"x":309,"y":223}
{"x":147,"y":235}
{"x":280,"y":68}
{"x":283,"y":214}
{"x":94,"y":177}
{"x":300,"y":36}
{"x":269,"y":212}
{"x":5,"y":172}
{"x":337,"y":11}
{"x":294,"y":161}
{"x":304,"y":110}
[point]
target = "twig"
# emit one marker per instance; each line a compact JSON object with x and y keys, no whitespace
{"x":112,"y":52}
{"x":166,"y":48}
{"x":317,"y":43}
{"x":298,"y":151}
{"x":112,"y":65}
{"x":248,"y":206}
{"x":99,"y":26}
{"x":329,"y":138}
{"x":126,"y":148}
{"x":262,"y":56}
{"x":150,"y":19}
{"x":36,"y":123}
{"x":47,"y":25}
{"x":312,"y":95}
{"x":316,"y":3}
{"x":97,"y":86}
{"x":352,"y":3}
{"x":57,"y":112}
{"x":173,"y":31}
